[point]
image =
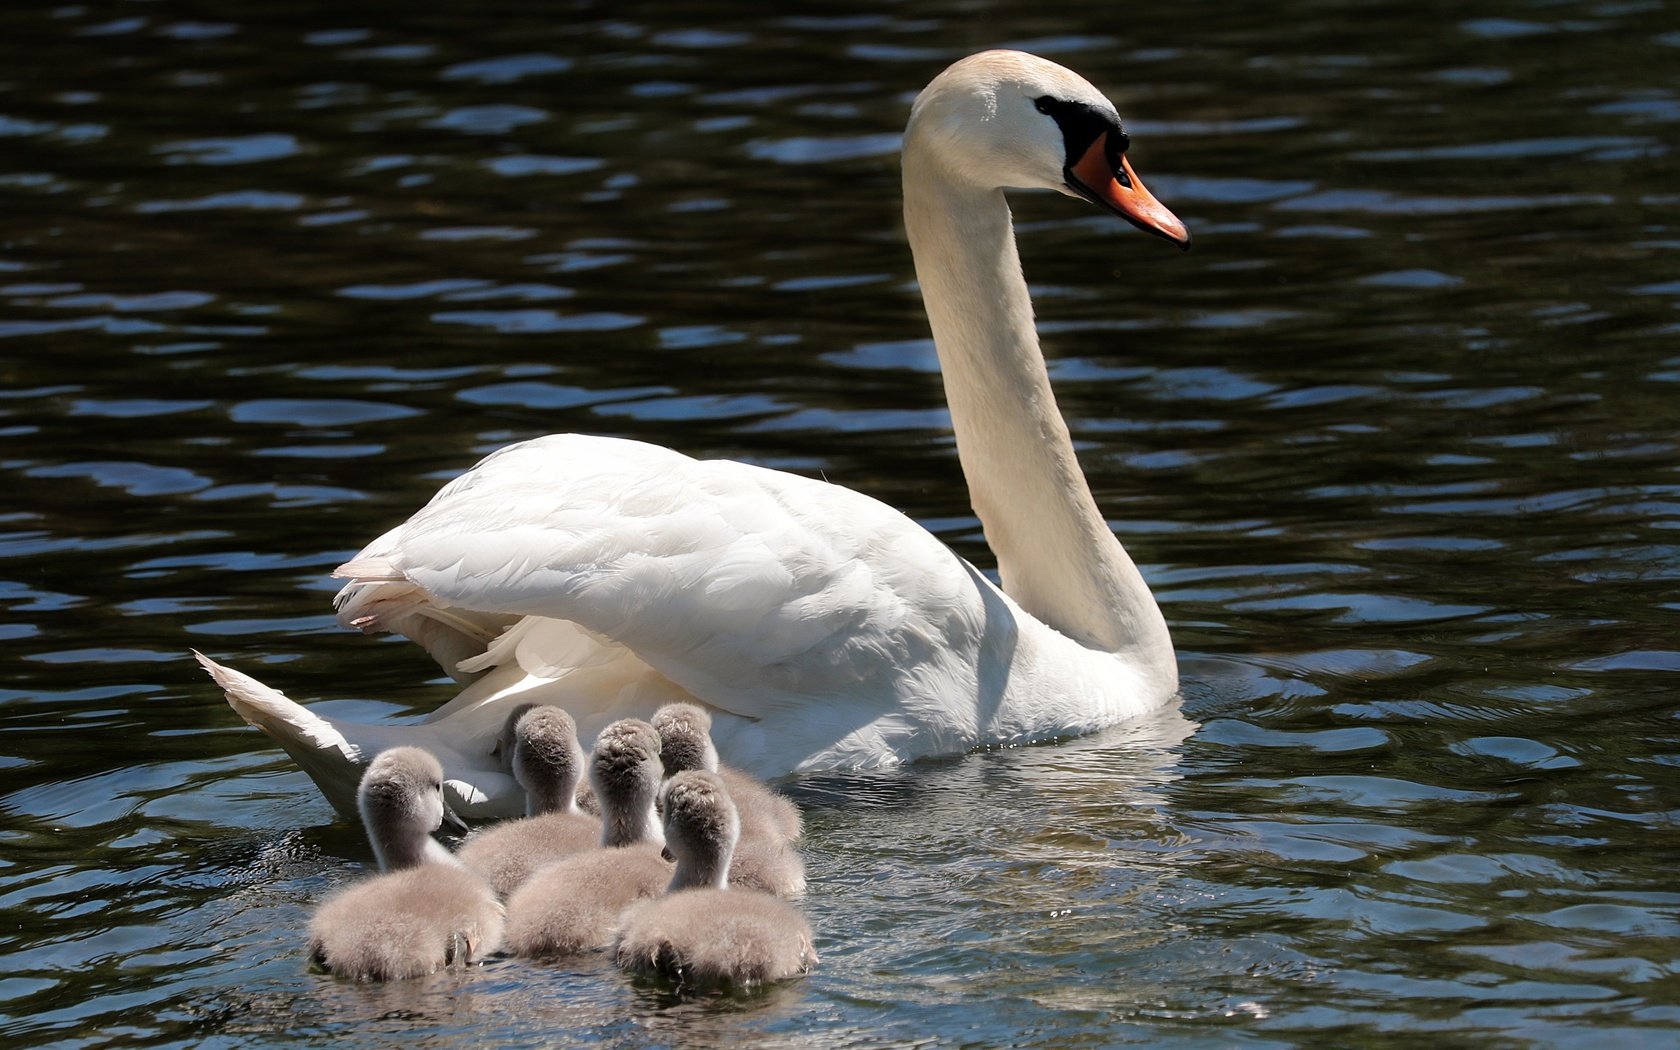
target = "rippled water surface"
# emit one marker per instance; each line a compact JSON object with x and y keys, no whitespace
{"x":1395,"y":445}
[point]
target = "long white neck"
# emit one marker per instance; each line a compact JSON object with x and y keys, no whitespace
{"x":1055,"y":553}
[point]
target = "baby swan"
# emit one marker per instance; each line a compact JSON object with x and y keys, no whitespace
{"x":763,"y":859}
{"x":685,"y":735}
{"x":547,"y":763}
{"x":703,"y":935}
{"x":573,"y":904}
{"x":507,"y":743}
{"x":425,"y":911}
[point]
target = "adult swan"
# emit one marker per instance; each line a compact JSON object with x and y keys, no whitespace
{"x":822,"y":628}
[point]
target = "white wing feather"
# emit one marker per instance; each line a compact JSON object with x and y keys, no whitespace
{"x":758,"y":592}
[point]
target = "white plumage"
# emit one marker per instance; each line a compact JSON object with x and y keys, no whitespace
{"x":822,"y":628}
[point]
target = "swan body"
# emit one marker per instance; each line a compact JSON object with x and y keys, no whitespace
{"x":703,"y":934}
{"x":425,"y":911}
{"x":547,"y":763}
{"x":821,"y":628}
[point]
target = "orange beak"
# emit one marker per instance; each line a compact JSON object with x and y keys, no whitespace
{"x":1123,"y":193}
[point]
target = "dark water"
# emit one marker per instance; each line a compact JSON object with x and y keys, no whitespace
{"x":1396,"y":445}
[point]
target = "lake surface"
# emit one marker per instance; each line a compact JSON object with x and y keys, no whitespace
{"x":1395,"y":444}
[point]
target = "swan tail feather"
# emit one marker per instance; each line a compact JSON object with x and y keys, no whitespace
{"x":452,"y":636}
{"x":376,"y":595}
{"x":499,"y":650}
{"x":369,"y":569}
{"x":273,"y":711}
{"x":314,"y":743}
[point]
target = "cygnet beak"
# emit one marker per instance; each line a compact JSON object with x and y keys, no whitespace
{"x":452,"y":822}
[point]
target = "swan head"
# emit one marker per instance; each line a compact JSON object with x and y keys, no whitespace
{"x":685,"y":738}
{"x":1010,"y":120}
{"x":702,"y":826}
{"x":401,"y":802}
{"x":547,"y":759}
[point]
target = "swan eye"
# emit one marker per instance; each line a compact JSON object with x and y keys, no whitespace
{"x":1081,"y":125}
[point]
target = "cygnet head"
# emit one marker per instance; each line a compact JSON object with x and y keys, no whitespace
{"x":1007,"y":119}
{"x":401,"y":802}
{"x":547,"y":760}
{"x":701,"y":828}
{"x":685,"y":738}
{"x":625,"y":771}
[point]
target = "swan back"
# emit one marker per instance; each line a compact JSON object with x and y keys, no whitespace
{"x":508,"y":854}
{"x":713,"y":940}
{"x":767,"y":865}
{"x":406,"y":923}
{"x":574,"y":904}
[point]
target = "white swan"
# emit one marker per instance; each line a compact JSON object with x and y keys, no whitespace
{"x":822,"y":628}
